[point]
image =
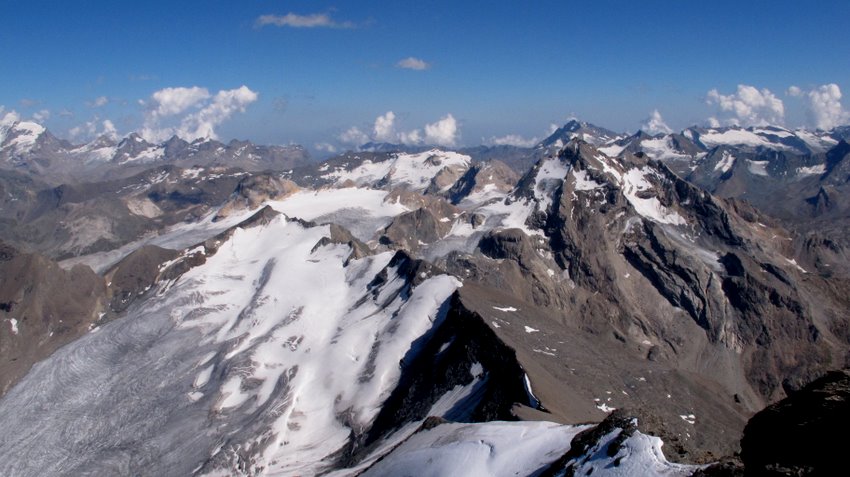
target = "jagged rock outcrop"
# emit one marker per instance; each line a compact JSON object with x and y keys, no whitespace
{"x":797,"y":436}
{"x":801,"y":434}
{"x":254,"y":190}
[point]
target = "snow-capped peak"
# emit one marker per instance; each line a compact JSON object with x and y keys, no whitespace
{"x":20,"y":136}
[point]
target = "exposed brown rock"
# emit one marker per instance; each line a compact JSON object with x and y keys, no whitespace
{"x":51,"y":307}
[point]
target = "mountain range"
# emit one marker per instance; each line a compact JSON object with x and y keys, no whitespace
{"x":232,"y":309}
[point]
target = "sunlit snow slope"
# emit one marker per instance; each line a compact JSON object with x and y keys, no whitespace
{"x":266,"y":357}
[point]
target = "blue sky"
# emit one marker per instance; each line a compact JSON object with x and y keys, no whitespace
{"x":315,"y":70}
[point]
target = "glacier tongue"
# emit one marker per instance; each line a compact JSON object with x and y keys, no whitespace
{"x":267,"y":358}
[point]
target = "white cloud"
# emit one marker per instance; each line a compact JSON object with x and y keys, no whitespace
{"x":325,"y":147}
{"x":92,"y":129}
{"x":794,"y":91}
{"x":749,"y":106}
{"x":171,"y":101}
{"x":9,"y":118}
{"x":293,"y":20}
{"x":384,"y":129}
{"x":210,"y":112}
{"x":411,"y":137}
{"x":443,"y":132}
{"x":98,"y":102}
{"x":412,"y":63}
{"x":519,"y":140}
{"x":825,"y":107}
{"x":713,"y":122}
{"x":109,"y":130}
{"x":655,"y":124}
{"x":354,"y":136}
{"x":513,"y":140}
{"x":225,"y":103}
{"x":41,"y":116}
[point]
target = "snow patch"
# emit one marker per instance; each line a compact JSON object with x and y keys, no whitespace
{"x":497,"y":449}
{"x":634,"y":182}
{"x":662,"y":149}
{"x":639,"y":454}
{"x":585,"y":183}
{"x":550,"y":175}
{"x":507,"y":308}
{"x":793,"y":261}
{"x":758,"y":168}
{"x":737,"y":137}
{"x":811,"y":170}
{"x":725,"y":163}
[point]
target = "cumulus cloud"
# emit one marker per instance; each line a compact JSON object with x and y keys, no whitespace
{"x":825,"y":107}
{"x":443,"y":132}
{"x":170,"y":101}
{"x":109,"y":129}
{"x":92,"y":129}
{"x":794,"y":91}
{"x":749,"y":106}
{"x":41,"y":116}
{"x":384,"y":129}
{"x":655,"y":124}
{"x":354,"y":136}
{"x":513,"y":140}
{"x":325,"y":147}
{"x":293,"y":20}
{"x":519,"y":140}
{"x":192,"y":113}
{"x":98,"y":102}
{"x":8,"y":118}
{"x":411,"y":137}
{"x":412,"y":63}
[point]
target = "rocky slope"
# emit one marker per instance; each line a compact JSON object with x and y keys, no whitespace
{"x":386,"y":309}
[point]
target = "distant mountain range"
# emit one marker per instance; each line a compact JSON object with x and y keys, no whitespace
{"x":29,"y":148}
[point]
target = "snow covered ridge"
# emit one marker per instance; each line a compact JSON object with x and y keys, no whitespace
{"x":414,"y":172}
{"x":293,"y":373}
{"x":20,"y":137}
{"x":588,"y":172}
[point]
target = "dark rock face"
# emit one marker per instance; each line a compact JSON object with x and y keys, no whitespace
{"x":411,"y":230}
{"x":443,"y":359}
{"x":802,"y":434}
{"x":255,"y":189}
{"x":494,"y":174}
{"x":136,"y":274}
{"x":341,"y":235}
{"x":42,"y":307}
